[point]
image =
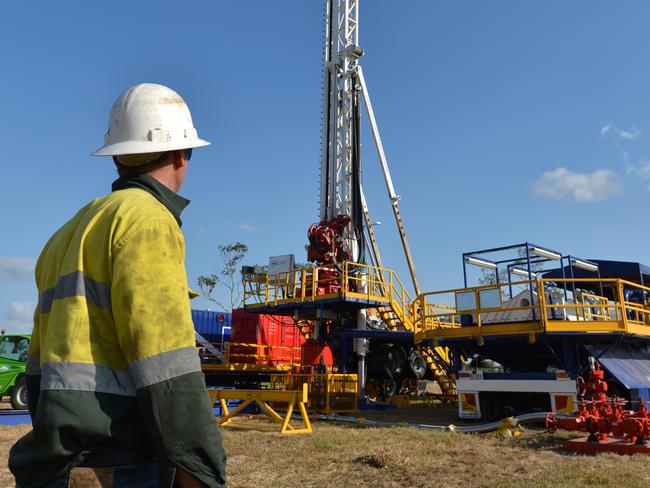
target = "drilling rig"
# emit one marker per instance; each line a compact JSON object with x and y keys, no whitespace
{"x":348,"y":277}
{"x":497,"y":347}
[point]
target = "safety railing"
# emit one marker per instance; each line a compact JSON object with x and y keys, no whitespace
{"x":571,"y":301}
{"x":241,"y":353}
{"x":636,"y":313}
{"x":346,"y":279}
{"x":566,"y":305}
{"x":473,"y":308}
{"x":399,"y":304}
{"x":438,"y":316}
{"x":328,"y":393}
{"x":372,"y":283}
{"x":578,"y":305}
{"x":299,"y":285}
{"x":594,"y":307}
{"x":211,"y":351}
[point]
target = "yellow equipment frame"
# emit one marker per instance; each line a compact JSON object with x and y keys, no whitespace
{"x":602,"y":315}
{"x":263,"y":398}
{"x":328,"y":393}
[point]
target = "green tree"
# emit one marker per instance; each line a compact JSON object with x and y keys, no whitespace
{"x":227,"y":277}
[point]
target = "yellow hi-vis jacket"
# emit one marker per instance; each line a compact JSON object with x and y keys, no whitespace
{"x":113,"y":346}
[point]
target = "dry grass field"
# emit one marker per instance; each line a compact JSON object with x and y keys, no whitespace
{"x":348,"y":455}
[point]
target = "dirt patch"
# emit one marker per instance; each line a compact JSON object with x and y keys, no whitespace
{"x":372,"y":461}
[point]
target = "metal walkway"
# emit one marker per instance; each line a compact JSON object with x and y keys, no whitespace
{"x":348,"y":287}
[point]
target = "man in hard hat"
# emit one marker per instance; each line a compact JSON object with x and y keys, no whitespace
{"x":116,"y":393}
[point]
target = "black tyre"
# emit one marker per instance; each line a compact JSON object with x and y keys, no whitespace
{"x":417,"y":364}
{"x":395,"y":363}
{"x":19,"y":395}
{"x":389,"y":388}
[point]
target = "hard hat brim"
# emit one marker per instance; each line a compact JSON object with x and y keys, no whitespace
{"x":137,"y":147}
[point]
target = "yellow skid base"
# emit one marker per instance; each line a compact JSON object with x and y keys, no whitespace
{"x":263,"y":398}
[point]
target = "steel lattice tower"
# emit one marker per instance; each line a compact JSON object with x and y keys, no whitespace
{"x":340,"y":99}
{"x":344,"y":87}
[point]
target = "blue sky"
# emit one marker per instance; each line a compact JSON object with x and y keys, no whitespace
{"x":502,"y":122}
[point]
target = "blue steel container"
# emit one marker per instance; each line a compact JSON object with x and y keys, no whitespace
{"x":214,"y":326}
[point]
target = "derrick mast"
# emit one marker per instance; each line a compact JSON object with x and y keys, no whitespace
{"x":340,"y":185}
{"x":341,"y":190}
{"x":331,"y":299}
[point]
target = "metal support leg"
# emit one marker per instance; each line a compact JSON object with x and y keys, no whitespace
{"x":361,"y":346}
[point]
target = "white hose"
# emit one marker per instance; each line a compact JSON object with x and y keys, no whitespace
{"x":520,"y":419}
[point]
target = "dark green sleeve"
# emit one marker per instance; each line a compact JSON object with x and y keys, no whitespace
{"x":183,"y":431}
{"x":33,"y":383}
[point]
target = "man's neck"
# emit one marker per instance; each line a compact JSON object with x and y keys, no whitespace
{"x":166,"y":178}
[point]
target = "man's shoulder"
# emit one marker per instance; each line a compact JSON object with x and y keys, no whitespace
{"x":137,"y":205}
{"x":118,"y":212}
{"x":133,"y":211}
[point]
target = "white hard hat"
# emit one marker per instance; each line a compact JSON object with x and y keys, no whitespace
{"x":149,"y":118}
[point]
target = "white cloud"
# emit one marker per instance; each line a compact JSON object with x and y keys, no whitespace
{"x":629,"y":134}
{"x":246,"y":228}
{"x":564,"y":184}
{"x":21,"y":313}
{"x":642,"y":170}
{"x":633,"y":133}
{"x":12,"y":268}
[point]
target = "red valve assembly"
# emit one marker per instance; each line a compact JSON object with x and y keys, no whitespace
{"x":326,"y":241}
{"x":611,"y":427}
{"x":327,"y":250}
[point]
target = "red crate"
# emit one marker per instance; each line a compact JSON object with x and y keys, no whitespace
{"x":315,"y":353}
{"x":264,"y":339}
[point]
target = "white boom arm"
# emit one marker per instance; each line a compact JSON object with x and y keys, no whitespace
{"x":394,"y":198}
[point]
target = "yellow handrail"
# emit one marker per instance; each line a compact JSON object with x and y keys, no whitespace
{"x":584,"y":311}
{"x":429,"y":314}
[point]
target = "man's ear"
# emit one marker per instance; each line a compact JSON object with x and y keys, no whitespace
{"x":177,"y":159}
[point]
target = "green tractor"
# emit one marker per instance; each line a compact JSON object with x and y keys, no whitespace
{"x":13,"y":355}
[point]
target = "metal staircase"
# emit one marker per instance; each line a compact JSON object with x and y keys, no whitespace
{"x":438,"y":360}
{"x":439,"y":363}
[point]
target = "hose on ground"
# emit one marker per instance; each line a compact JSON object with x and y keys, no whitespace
{"x":489,"y":427}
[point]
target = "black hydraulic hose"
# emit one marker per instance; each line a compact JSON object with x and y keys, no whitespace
{"x":357,"y":210}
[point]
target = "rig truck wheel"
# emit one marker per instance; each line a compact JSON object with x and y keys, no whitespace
{"x":417,"y":364}
{"x":390,"y":388}
{"x":19,"y":395}
{"x":395,"y":363}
